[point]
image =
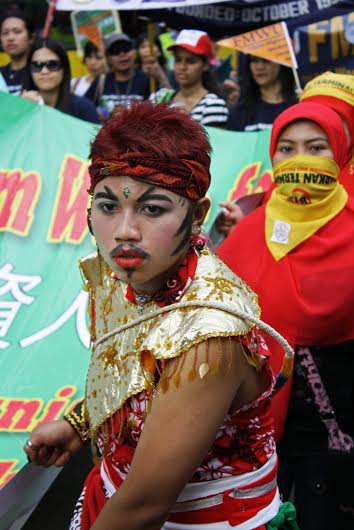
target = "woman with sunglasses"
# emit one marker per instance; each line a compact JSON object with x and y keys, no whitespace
{"x":47,"y":81}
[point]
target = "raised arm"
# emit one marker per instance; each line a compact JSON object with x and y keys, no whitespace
{"x":179,"y":430}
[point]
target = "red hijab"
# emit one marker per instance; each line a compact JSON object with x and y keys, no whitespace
{"x":338,"y":105}
{"x":323,"y":116}
{"x":308,"y":296}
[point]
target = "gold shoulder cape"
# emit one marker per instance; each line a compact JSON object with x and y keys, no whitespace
{"x":116,"y":372}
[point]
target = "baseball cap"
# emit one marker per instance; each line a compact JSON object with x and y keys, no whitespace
{"x":116,"y":37}
{"x":194,"y":41}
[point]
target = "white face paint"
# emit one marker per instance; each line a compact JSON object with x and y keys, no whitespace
{"x":142,"y":231}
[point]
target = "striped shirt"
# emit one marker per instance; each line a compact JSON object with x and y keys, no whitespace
{"x":211,"y":110}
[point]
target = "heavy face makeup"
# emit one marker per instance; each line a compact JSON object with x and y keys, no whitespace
{"x":302,"y":137}
{"x":15,"y":38}
{"x":264,"y":72}
{"x":188,"y":68}
{"x":142,"y":234}
{"x":45,"y":80}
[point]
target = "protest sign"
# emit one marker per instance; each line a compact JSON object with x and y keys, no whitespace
{"x":44,"y":337}
{"x":271,"y":43}
{"x":93,"y":26}
{"x":326,"y":45}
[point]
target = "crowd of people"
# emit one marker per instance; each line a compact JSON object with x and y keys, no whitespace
{"x":208,"y":411}
{"x":125,"y":70}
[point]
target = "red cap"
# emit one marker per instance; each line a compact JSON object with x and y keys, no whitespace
{"x":195,"y":41}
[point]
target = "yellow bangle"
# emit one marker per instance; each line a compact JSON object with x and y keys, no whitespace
{"x":77,"y":419}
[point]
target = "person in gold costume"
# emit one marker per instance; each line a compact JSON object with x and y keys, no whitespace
{"x":178,"y":389}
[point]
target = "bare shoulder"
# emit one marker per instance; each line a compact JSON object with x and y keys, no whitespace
{"x":220,"y":364}
{"x":213,"y":361}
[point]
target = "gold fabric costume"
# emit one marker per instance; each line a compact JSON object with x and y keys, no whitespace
{"x":116,"y":371}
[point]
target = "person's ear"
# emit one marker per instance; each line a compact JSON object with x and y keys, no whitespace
{"x":201,"y":208}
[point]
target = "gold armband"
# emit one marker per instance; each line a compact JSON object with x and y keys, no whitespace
{"x":77,"y":419}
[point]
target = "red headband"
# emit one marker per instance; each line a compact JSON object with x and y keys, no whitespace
{"x":183,"y":177}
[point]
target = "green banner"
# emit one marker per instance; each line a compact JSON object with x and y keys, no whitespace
{"x":44,"y":337}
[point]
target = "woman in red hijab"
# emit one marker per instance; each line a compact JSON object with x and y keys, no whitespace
{"x":296,"y":252}
{"x":335,"y":91}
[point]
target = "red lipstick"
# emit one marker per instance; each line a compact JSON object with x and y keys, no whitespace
{"x":128,"y":259}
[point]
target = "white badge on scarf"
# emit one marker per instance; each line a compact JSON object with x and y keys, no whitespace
{"x":281,"y":232}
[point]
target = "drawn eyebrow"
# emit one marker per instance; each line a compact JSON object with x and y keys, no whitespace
{"x":106,"y":195}
{"x":156,"y":196}
{"x":186,"y":227}
{"x":150,"y":195}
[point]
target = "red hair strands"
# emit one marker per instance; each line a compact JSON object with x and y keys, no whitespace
{"x":157,"y":143}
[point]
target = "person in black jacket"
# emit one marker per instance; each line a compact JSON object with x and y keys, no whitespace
{"x":267,"y":89}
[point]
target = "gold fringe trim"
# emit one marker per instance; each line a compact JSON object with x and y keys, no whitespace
{"x":164,"y":386}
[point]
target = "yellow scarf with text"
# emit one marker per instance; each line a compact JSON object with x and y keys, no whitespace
{"x":306,"y":197}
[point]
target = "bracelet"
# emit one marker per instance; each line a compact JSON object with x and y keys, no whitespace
{"x":77,"y":419}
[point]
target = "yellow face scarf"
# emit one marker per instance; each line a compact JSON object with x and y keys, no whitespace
{"x":306,"y":197}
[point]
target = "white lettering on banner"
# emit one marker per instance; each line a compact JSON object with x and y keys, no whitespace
{"x":10,"y":283}
{"x":276,"y":12}
{"x":79,"y":306}
{"x":324,"y":4}
{"x":216,"y":13}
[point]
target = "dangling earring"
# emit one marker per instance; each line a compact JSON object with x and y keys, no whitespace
{"x":196,"y":230}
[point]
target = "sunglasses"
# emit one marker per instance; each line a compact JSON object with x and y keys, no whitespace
{"x":53,"y":66}
{"x":118,"y":48}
